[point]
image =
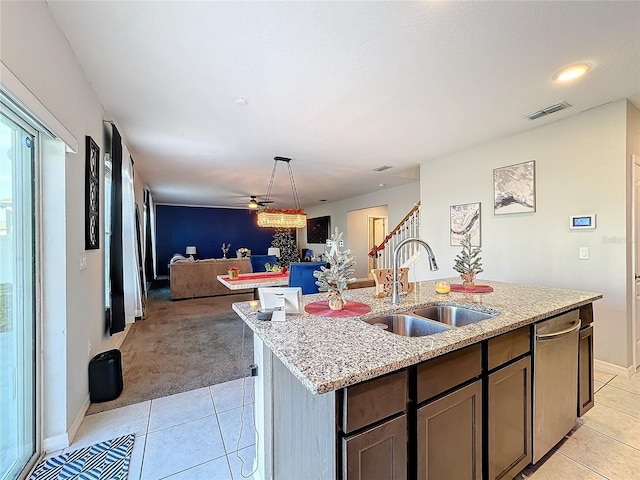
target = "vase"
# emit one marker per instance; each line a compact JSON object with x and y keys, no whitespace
{"x":468,"y":280}
{"x":335,"y":300}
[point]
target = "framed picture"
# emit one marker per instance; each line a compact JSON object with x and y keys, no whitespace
{"x":464,"y":220}
{"x":92,"y":196}
{"x":318,"y":229}
{"x":514,"y":188}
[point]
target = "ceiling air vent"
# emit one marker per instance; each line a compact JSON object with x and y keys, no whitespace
{"x":546,"y":111}
{"x":382,"y":168}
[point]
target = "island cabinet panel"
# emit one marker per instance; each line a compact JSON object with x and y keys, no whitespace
{"x":373,"y":400}
{"x":450,"y":436}
{"x":585,"y":371}
{"x":509,"y":419}
{"x":303,"y":431}
{"x":379,"y":453}
{"x":446,"y":372}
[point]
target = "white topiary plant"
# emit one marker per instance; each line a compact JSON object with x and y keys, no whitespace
{"x":339,"y":274}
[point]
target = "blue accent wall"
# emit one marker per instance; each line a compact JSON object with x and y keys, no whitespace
{"x":207,"y":229}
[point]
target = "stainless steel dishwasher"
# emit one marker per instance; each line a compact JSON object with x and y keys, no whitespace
{"x":555,"y":380}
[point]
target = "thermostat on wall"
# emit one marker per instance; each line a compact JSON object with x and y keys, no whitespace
{"x":579,"y":222}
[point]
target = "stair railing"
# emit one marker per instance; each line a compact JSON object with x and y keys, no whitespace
{"x":408,"y":227}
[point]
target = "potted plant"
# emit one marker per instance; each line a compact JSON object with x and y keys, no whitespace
{"x":468,"y":263}
{"x":336,"y":278}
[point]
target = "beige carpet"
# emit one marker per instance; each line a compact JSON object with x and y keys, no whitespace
{"x":180,"y":346}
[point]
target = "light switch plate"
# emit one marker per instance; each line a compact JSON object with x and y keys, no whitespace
{"x":83,"y":261}
{"x":583,"y":253}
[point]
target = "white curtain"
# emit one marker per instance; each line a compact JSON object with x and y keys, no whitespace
{"x":152,"y":219}
{"x":130,"y":261}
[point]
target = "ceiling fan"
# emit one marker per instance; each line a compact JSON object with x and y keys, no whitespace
{"x":253,"y":204}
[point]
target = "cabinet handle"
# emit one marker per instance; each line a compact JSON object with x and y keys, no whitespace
{"x":561,"y":333}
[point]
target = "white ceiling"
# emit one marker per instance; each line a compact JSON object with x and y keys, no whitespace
{"x":340,"y":87}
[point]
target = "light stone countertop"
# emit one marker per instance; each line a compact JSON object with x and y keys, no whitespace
{"x":329,"y":353}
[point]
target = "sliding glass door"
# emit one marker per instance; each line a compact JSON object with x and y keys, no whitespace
{"x":18,"y":440}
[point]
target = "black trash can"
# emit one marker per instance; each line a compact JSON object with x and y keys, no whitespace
{"x":105,"y":376}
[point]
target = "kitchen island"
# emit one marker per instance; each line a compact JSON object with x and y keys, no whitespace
{"x":310,"y":367}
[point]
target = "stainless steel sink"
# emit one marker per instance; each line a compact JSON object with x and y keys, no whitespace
{"x":407,"y":325}
{"x":451,"y":315}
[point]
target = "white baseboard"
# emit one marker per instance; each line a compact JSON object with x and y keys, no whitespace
{"x":613,"y":369}
{"x":63,"y":441}
{"x":53,"y":444}
{"x":120,"y":338}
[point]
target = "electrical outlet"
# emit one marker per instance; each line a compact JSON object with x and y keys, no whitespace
{"x":89,"y":348}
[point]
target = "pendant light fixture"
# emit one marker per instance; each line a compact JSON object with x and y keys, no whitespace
{"x":282,"y":218}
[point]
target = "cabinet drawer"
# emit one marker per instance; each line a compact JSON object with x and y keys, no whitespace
{"x":374,"y":400}
{"x":508,"y":346}
{"x":443,"y":373}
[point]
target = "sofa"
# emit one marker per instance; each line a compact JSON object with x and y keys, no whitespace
{"x":191,"y":279}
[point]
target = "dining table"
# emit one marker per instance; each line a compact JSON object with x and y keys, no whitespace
{"x":255,"y":280}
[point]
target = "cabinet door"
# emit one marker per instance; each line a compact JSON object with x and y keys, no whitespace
{"x":450,"y":436}
{"x":509,"y":419}
{"x":379,"y":453}
{"x":585,"y":371}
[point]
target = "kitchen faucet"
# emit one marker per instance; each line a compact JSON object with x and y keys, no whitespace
{"x":395,"y":297}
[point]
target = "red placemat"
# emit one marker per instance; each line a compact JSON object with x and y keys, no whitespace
{"x":457,"y":287}
{"x":351,"y":309}
{"x":256,"y":276}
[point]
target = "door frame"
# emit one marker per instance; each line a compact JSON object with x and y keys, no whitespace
{"x":12,"y":112}
{"x":371,"y":219}
{"x":634,"y":281}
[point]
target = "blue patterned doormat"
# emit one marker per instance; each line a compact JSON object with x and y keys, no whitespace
{"x":103,"y":461}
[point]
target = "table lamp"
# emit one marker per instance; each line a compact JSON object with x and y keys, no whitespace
{"x":191,"y":251}
{"x":274,"y":251}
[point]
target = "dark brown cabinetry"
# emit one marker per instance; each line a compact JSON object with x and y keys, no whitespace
{"x":450,"y":436}
{"x":509,"y":419}
{"x":379,"y":453}
{"x":372,"y":450}
{"x":509,"y":404}
{"x":585,"y":360}
{"x":585,"y":371}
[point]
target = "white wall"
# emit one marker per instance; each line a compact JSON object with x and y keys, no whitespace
{"x":581,"y":167}
{"x":35,"y":50}
{"x":398,"y":200}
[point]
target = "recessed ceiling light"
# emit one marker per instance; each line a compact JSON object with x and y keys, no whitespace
{"x":381,"y":184}
{"x":241,"y":102}
{"x":571,"y":72}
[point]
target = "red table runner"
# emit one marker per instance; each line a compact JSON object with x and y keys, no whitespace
{"x":457,"y":287}
{"x":256,"y":276}
{"x":351,"y":309}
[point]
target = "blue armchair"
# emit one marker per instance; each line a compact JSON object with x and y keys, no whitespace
{"x":301,"y":275}
{"x":259,"y":261}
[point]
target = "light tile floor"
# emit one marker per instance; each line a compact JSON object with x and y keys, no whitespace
{"x":188,"y":436}
{"x":196,"y":435}
{"x":605,"y":444}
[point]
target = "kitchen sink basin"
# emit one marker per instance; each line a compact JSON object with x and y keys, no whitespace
{"x":452,"y":315}
{"x":407,"y":325}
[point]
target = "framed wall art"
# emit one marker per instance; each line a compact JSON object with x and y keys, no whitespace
{"x":464,"y":220}
{"x":514,"y":188}
{"x":92,"y":196}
